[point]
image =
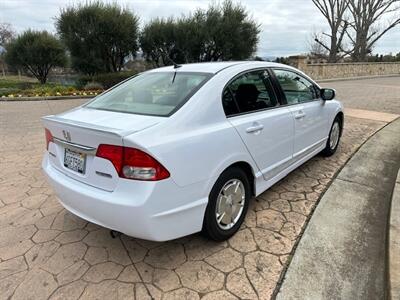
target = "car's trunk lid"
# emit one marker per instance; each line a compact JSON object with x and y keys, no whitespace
{"x":77,"y":135}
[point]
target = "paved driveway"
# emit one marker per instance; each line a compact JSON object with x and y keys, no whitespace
{"x":46,"y":252}
{"x":378,"y":94}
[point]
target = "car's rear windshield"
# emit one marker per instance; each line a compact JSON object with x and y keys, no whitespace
{"x":152,"y":93}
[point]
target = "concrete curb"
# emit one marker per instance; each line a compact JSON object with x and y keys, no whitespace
{"x":343,"y":251}
{"x":394,"y":243}
{"x":22,"y":99}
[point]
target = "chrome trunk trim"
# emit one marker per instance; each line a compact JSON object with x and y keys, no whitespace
{"x":75,"y":147}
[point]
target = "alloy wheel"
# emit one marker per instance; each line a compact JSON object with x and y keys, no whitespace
{"x":334,"y":136}
{"x":230,"y":203}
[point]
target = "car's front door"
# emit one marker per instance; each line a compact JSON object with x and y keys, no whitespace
{"x":308,"y":110}
{"x":265,"y":127}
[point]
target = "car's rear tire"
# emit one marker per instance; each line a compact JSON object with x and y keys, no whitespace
{"x":334,"y":138}
{"x":227,"y":205}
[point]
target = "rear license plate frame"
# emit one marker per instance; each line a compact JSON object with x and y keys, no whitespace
{"x":75,"y":161}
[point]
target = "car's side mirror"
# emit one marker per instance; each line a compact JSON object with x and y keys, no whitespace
{"x":327,"y":94}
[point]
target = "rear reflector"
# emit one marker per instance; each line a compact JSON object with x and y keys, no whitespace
{"x":49,"y":137}
{"x":133,"y":163}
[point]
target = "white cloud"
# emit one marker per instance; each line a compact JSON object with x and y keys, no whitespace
{"x":286,"y":24}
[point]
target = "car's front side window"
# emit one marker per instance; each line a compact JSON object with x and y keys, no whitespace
{"x":249,"y":92}
{"x":296,"y":88}
{"x":152,"y":93}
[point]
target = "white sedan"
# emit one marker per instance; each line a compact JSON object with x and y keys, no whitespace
{"x":183,"y":149}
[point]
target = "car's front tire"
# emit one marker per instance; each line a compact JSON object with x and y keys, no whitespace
{"x":227,"y":205}
{"x":334,"y":138}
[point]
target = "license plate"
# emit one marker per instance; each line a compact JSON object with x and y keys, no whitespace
{"x":74,"y":161}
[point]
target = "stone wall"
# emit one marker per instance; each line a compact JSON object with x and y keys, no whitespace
{"x":346,"y":70}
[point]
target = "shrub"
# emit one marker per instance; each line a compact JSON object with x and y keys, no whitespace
{"x":106,"y":80}
{"x":93,"y":86}
{"x":50,"y":90}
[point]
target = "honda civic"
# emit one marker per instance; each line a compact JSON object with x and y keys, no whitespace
{"x":184,"y":148}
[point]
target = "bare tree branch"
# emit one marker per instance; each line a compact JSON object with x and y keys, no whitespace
{"x":334,"y":12}
{"x":7,"y":33}
{"x":322,"y":44}
{"x":393,"y":24}
{"x":367,"y":27}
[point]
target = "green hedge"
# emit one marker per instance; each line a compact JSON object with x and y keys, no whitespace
{"x":106,"y":80}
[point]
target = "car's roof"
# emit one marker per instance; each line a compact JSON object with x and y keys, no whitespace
{"x":215,"y":67}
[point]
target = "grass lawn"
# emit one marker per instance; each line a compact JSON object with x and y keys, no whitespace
{"x":11,"y":83}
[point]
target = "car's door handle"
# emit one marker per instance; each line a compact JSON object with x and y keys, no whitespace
{"x":299,"y":115}
{"x":255,"y":128}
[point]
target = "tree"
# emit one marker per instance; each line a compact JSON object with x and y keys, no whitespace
{"x":334,"y":12}
{"x":385,"y":58}
{"x":36,"y":51}
{"x":367,"y":25}
{"x":222,"y":32}
{"x":283,"y":60}
{"x":7,"y":33}
{"x":359,"y":22}
{"x":158,"y":41}
{"x":98,"y":36}
{"x":240,"y":33}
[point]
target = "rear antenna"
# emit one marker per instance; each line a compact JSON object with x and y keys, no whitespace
{"x":176,"y":66}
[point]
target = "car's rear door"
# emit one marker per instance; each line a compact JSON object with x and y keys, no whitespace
{"x":265,"y":127}
{"x":308,"y":110}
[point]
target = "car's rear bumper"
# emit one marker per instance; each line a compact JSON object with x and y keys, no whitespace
{"x":149,"y":210}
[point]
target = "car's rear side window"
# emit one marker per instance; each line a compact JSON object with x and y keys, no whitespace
{"x":157,"y":94}
{"x":248,"y":92}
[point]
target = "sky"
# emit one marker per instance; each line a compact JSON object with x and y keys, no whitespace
{"x":286,"y":25}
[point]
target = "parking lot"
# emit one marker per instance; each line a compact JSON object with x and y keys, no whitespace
{"x":46,"y":252}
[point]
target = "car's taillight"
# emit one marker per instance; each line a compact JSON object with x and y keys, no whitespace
{"x":133,"y":163}
{"x":49,"y":137}
{"x":139,"y":165}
